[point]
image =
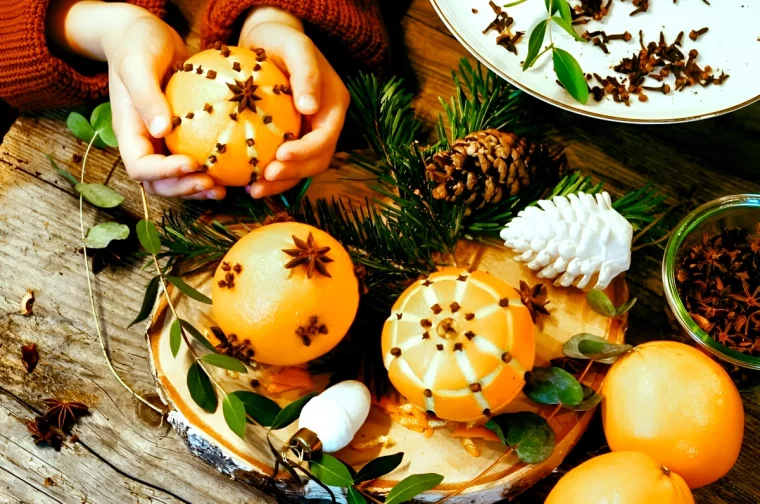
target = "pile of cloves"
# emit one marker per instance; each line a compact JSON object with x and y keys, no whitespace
{"x":501,"y":24}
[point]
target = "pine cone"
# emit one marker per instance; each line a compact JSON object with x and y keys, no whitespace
{"x":487,"y":166}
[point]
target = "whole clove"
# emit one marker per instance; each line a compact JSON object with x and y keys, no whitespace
{"x":695,"y":34}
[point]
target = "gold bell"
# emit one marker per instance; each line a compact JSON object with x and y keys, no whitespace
{"x":305,"y":444}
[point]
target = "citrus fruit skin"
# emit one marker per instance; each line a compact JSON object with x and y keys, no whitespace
{"x":621,"y":478}
{"x":233,"y":139}
{"x":457,"y":344}
{"x":674,"y":403}
{"x":273,"y":307}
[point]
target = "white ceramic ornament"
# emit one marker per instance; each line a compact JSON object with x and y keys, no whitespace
{"x":336,"y":414}
{"x":572,"y":237}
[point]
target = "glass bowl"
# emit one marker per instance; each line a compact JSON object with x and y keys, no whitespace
{"x":741,"y":210}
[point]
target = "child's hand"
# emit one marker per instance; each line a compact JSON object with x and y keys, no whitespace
{"x":318,"y":92}
{"x":139,"y":55}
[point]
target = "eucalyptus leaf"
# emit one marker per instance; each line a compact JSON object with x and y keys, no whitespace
{"x":590,"y":400}
{"x":225,"y":362}
{"x":492,"y":425}
{"x":598,"y":350}
{"x":63,"y":173}
{"x":411,"y":486}
{"x":330,"y":471}
{"x":196,"y":334}
{"x":100,"y":236}
{"x":148,"y":236}
{"x":355,"y":497}
{"x":379,"y":467}
{"x":625,"y":307}
{"x":201,"y":389}
{"x":101,"y":123}
{"x":570,"y":74}
{"x":187,"y":290}
{"x":80,"y":127}
{"x":99,"y":195}
{"x":553,"y":385}
{"x":534,"y":43}
{"x":234,"y":414}
{"x":529,"y":434}
{"x":568,"y":27}
{"x":593,"y":346}
{"x":175,"y":337}
{"x":291,"y":412}
{"x":551,"y":6}
{"x":600,"y":303}
{"x":564,"y":11}
{"x":149,"y":300}
{"x":262,"y":409}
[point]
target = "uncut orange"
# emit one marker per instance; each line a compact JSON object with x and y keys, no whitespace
{"x":621,"y":478}
{"x":674,"y":403}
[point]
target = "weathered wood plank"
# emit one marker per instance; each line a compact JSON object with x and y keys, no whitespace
{"x":38,"y":241}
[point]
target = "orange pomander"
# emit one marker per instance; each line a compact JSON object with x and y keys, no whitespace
{"x":458,"y":344}
{"x":287,"y":292}
{"x":232,"y":108}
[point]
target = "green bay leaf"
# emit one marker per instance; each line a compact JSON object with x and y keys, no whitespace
{"x":564,"y":11}
{"x":100,"y":236}
{"x":201,"y":389}
{"x":234,"y":414}
{"x":590,"y":400}
{"x":534,"y":43}
{"x":149,"y":300}
{"x":175,"y":337}
{"x":590,"y":346}
{"x":225,"y":362}
{"x":260,"y":408}
{"x":600,"y":303}
{"x":188,"y":290}
{"x":568,"y":27}
{"x":291,"y":412}
{"x":330,"y":471}
{"x":570,"y":74}
{"x":196,"y":334}
{"x":379,"y":467}
{"x":355,"y":497}
{"x":411,"y":486}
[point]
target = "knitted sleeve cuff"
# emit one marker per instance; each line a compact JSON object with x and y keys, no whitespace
{"x":31,"y":76}
{"x":354,"y":25}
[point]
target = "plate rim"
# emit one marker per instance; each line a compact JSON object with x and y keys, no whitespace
{"x":570,"y":108}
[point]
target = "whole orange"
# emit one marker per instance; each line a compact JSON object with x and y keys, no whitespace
{"x":621,"y":477}
{"x":674,"y":403}
{"x":287,"y":292}
{"x":231,"y":109}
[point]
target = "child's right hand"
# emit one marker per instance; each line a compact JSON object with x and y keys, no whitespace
{"x":140,"y":53}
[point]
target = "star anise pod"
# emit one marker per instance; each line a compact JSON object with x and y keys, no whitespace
{"x":245,"y":94}
{"x":39,"y":428}
{"x":60,"y":413}
{"x":307,"y":252}
{"x":534,"y":299}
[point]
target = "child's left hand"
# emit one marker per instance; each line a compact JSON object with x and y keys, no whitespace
{"x":318,"y":92}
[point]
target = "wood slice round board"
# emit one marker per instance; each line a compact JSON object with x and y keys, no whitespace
{"x":251,"y":460}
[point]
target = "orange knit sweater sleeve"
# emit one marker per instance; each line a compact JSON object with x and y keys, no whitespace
{"x":34,"y":75}
{"x":354,"y":29}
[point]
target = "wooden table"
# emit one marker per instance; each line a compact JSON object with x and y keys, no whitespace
{"x":124,"y":453}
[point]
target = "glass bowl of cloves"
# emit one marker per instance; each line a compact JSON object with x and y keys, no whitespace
{"x":711,"y":276}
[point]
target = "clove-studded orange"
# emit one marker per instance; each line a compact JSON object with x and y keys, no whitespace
{"x":458,"y":344}
{"x":286,"y":293}
{"x":232,"y":108}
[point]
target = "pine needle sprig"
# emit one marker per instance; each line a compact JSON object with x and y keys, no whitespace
{"x":383,"y":112}
{"x":485,"y":101}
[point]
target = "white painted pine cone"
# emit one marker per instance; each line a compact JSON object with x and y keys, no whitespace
{"x":336,"y":414}
{"x":572,"y":239}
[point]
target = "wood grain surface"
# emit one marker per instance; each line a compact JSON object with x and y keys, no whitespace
{"x":124,"y":453}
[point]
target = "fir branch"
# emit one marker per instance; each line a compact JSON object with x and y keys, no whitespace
{"x":485,"y":101}
{"x":383,"y":113}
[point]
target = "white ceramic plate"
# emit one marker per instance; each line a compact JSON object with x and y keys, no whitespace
{"x":730,"y":46}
